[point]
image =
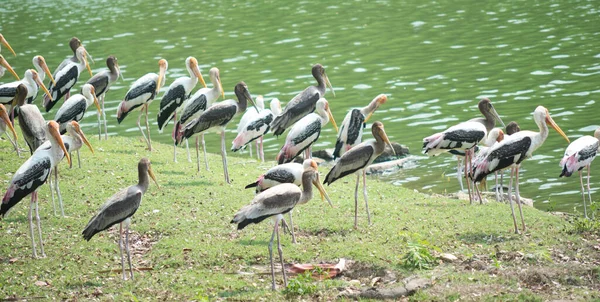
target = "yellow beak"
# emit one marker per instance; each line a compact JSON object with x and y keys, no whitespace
{"x":36,"y":78}
{"x":553,"y":124}
{"x":332,"y":119}
{"x":151,"y":173}
{"x":6,"y":119}
{"x":5,"y":43}
{"x":8,"y":67}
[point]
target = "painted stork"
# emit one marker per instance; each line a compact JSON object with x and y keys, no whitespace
{"x":73,"y":141}
{"x":141,"y":93}
{"x":31,"y":175}
{"x":218,"y":116}
{"x":5,"y":43}
{"x":275,"y":202}
{"x":74,"y":44}
{"x":351,"y":131}
{"x":495,"y":136}
{"x":356,"y":160}
{"x":31,"y":80}
{"x":513,"y":150}
{"x":255,"y":127}
{"x":464,"y":136}
{"x":74,"y":108}
{"x":250,"y":114}
{"x":580,"y":154}
{"x":303,"y":103}
{"x":102,"y":82}
{"x":42,"y":69}
{"x":66,"y":78}
{"x":119,"y":209}
{"x":4,"y":123}
{"x":178,"y":92}
{"x":196,"y":105}
{"x":5,"y":66}
{"x":304,"y":133}
{"x":31,"y":121}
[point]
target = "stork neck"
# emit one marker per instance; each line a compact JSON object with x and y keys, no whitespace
{"x":307,"y":191}
{"x":144,"y":182}
{"x":324,"y":116}
{"x":543,"y":130}
{"x":369,"y":108}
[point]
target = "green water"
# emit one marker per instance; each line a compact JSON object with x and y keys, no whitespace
{"x":434,"y":60}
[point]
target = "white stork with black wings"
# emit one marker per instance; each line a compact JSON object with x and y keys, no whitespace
{"x":351,"y":130}
{"x":31,"y":80}
{"x":102,"y":82}
{"x":75,"y":107}
{"x":217,"y":117}
{"x":66,"y":78}
{"x":303,"y":103}
{"x":255,"y":127}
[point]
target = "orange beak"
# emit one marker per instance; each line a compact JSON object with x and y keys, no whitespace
{"x":5,"y":43}
{"x":53,"y":130}
{"x":5,"y":64}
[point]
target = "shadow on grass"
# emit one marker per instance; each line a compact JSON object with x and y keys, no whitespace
{"x":238,"y":292}
{"x":78,"y":285}
{"x":481,"y":237}
{"x":187,"y":184}
{"x":256,"y":242}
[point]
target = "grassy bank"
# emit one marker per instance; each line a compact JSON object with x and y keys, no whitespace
{"x":182,"y":232}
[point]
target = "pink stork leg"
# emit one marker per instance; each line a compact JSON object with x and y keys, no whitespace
{"x":510,"y":199}
{"x":519,"y":197}
{"x":588,"y":189}
{"x":583,"y":193}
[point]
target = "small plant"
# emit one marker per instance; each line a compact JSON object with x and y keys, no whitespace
{"x":303,"y":284}
{"x":419,"y":256}
{"x":201,"y":296}
{"x":584,"y":225}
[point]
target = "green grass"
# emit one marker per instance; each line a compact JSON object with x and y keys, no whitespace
{"x":196,"y":254}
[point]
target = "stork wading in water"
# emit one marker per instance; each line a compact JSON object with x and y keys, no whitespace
{"x":66,"y":78}
{"x":73,"y":140}
{"x":464,"y":136}
{"x":102,"y":82}
{"x":31,"y":175}
{"x":305,"y":132}
{"x":141,"y":93}
{"x":303,"y":103}
{"x":275,"y":202}
{"x":356,"y":160}
{"x":196,"y":105}
{"x":513,"y":150}
{"x":254,"y":128}
{"x":216,"y":118}
{"x":179,"y":91}
{"x":351,"y":131}
{"x":4,"y":66}
{"x":75,"y":107}
{"x":119,"y":209}
{"x":580,"y":154}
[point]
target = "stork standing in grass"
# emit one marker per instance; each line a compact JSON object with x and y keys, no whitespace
{"x":102,"y":82}
{"x":31,"y":121}
{"x":66,"y":78}
{"x":75,"y":107}
{"x":5,"y":123}
{"x":255,"y":126}
{"x":512,"y":151}
{"x":580,"y":154}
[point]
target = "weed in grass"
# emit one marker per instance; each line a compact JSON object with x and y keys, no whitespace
{"x":418,"y":256}
{"x":303,"y":284}
{"x":580,"y":225}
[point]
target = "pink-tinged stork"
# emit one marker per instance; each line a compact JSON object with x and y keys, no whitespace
{"x":140,"y":94}
{"x":179,"y":91}
{"x":305,"y":132}
{"x":4,"y":66}
{"x":275,"y":202}
{"x":66,"y":78}
{"x":253,"y":126}
{"x":31,"y":175}
{"x":351,"y":131}
{"x":196,"y":105}
{"x":495,"y":136}
{"x":513,"y":150}
{"x":102,"y":82}
{"x":216,"y":117}
{"x":303,"y":103}
{"x":356,"y":160}
{"x":579,"y":155}
{"x":464,"y":136}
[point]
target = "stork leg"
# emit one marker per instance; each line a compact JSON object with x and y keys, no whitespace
{"x":519,"y":198}
{"x":262,"y":150}
{"x":510,"y":200}
{"x":121,"y":250}
{"x":56,"y":186}
{"x":204,"y":151}
{"x":467,"y":176}
{"x":257,"y":149}
{"x":78,"y":159}
{"x":583,"y":194}
{"x":250,"y":149}
{"x":224,"y":155}
{"x":356,"y":201}
{"x":197,"y":153}
{"x":14,"y":143}
{"x":140,"y":127}
{"x":187,"y":148}
{"x":365,"y":194}
{"x":175,"y":135}
{"x":588,"y":189}
{"x":280,"y":251}
{"x":30,"y":219}
{"x":52,"y":192}
{"x":459,"y":173}
{"x":39,"y":224}
{"x":292,"y":228}
{"x":127,"y":247}
{"x":99,"y":115}
{"x":273,"y":287}
{"x":147,"y":129}
{"x":104,"y":118}
{"x":501,"y":186}
{"x":496,"y":189}
{"x":478,"y":193}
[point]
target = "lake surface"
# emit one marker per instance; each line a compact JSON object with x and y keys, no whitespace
{"x":434,"y":60}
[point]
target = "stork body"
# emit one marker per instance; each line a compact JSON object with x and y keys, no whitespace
{"x":66,"y":78}
{"x":255,"y":126}
{"x":75,"y":107}
{"x":102,"y":82}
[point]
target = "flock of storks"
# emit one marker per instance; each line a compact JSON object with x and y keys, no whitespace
{"x":278,"y":189}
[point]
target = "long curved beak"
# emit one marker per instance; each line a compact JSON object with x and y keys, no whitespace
{"x":387,"y":141}
{"x":199,"y":75}
{"x":324,"y":196}
{"x":161,"y":75}
{"x":381,"y":99}
{"x":5,"y":43}
{"x":89,"y":56}
{"x":550,"y":122}
{"x":119,"y":71}
{"x":6,"y":119}
{"x":8,"y":67}
{"x":249,"y":97}
{"x":221,"y":87}
{"x":36,"y":78}
{"x":47,"y":71}
{"x":497,"y":116}
{"x":96,"y":102}
{"x":328,"y":83}
{"x":151,"y":173}
{"x":332,"y":120}
{"x":56,"y":134}
{"x":369,"y":116}
{"x":84,"y":139}
{"x":87,"y":64}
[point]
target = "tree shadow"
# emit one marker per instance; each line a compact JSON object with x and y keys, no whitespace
{"x":484,"y":238}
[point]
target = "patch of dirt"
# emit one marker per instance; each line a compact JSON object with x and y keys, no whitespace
{"x":359,"y":270}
